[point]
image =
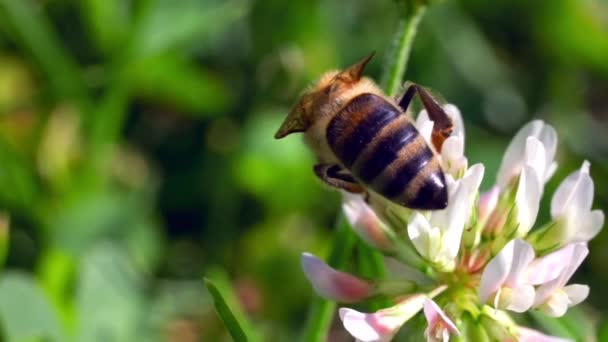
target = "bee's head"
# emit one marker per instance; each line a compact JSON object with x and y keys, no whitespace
{"x":330,"y":85}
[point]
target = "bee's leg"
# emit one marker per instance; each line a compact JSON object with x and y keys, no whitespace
{"x":443,"y":125}
{"x":338,"y":177}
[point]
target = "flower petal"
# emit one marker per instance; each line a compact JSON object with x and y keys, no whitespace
{"x":383,"y":324}
{"x":452,"y":156}
{"x":438,"y":322}
{"x":425,"y":126}
{"x":579,"y":253}
{"x":365,"y":222}
{"x":419,"y":231}
{"x":434,"y":315}
{"x":454,"y":113}
{"x":535,"y":157}
{"x":556,"y":305}
{"x":365,"y":327}
{"x":590,"y":227}
{"x":548,"y":267}
{"x":576,"y":293}
{"x":487,"y":203}
{"x":332,"y":284}
{"x":522,"y":298}
{"x":495,"y":273}
{"x":513,"y":160}
{"x":576,"y":192}
{"x":523,"y":254}
{"x":527,"y":200}
{"x":531,"y":335}
{"x":572,"y":255}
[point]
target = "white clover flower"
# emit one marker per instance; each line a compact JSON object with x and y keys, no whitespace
{"x":452,"y":153}
{"x":440,"y":326}
{"x":366,"y":223}
{"x":573,"y":219}
{"x":527,"y":201}
{"x":437,"y":238}
{"x":521,"y":152}
{"x":479,"y":254}
{"x":382,"y":325}
{"x":554,"y":297}
{"x":504,"y":279}
{"x":332,"y":284}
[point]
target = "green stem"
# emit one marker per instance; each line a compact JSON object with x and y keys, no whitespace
{"x":404,"y":39}
{"x":322,"y":311}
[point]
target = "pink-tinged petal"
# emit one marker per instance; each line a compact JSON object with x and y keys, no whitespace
{"x":435,"y":316}
{"x":591,"y":226}
{"x":332,"y":284}
{"x":535,"y":157}
{"x":495,"y":273}
{"x":521,"y":299}
{"x":365,"y":222}
{"x":579,"y":253}
{"x":574,"y":193}
{"x":366,"y":327}
{"x":383,"y":324}
{"x":523,"y":254}
{"x":548,"y":267}
{"x":487,"y":203}
{"x":513,"y":160}
{"x":576,"y":293}
{"x":531,"y":335}
{"x":527,"y":200}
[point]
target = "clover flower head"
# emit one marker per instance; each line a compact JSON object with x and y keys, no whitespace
{"x":483,"y":258}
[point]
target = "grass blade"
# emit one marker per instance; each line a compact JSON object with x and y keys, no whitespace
{"x":223,"y":310}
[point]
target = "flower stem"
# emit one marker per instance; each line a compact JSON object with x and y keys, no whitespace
{"x":399,"y":56}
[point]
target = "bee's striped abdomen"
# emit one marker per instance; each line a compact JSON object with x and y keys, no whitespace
{"x":383,"y":150}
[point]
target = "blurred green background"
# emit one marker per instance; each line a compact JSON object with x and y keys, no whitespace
{"x":137,"y":151}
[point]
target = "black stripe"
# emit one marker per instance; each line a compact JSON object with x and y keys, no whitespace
{"x":432,"y":195}
{"x":344,"y":117}
{"x":406,"y":173}
{"x":382,"y":114}
{"x":386,"y":151}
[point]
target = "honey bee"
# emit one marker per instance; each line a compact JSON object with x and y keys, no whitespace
{"x":366,"y":142}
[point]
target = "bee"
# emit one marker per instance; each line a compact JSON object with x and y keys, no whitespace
{"x":366,"y":142}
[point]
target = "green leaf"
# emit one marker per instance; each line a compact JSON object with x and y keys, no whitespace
{"x":223,"y":310}
{"x":25,"y":312}
{"x":322,"y":311}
